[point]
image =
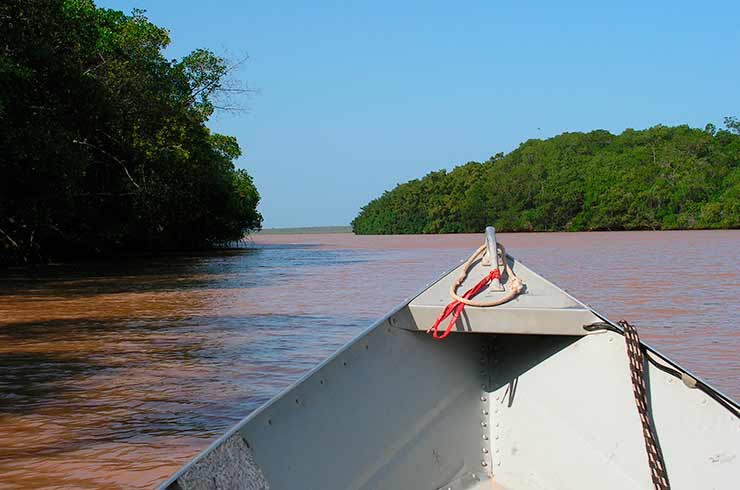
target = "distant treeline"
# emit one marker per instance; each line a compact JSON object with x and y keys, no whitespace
{"x":103,"y":141}
{"x":660,"y":178}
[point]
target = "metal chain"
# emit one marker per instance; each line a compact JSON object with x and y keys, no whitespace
{"x":637,"y":371}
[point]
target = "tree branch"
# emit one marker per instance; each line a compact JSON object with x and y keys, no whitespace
{"x":7,"y":237}
{"x":112,"y":157}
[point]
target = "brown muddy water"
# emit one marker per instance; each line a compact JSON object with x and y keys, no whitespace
{"x":114,"y":375}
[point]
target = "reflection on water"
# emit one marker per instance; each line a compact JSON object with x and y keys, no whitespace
{"x":115,"y":375}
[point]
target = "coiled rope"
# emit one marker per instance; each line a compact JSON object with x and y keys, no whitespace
{"x":513,"y":287}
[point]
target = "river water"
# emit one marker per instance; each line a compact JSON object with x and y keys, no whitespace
{"x":114,"y":375}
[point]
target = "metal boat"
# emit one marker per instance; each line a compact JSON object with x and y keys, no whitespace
{"x":536,"y":393}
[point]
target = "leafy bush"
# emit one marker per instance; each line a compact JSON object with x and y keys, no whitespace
{"x":657,"y":178}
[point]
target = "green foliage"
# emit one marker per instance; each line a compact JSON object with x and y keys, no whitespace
{"x":103,"y":141}
{"x":658,"y":178}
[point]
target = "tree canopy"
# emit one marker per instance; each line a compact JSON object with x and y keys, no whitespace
{"x":659,"y":178}
{"x":103,"y":141}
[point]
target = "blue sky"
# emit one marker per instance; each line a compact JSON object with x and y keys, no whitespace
{"x":355,"y":97}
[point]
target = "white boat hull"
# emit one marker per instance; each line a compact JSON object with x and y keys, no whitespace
{"x":491,"y":406}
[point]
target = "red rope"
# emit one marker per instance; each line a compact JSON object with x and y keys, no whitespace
{"x":456,"y":307}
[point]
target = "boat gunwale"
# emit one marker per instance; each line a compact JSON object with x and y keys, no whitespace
{"x":668,"y":361}
{"x":649,"y":347}
{"x":236,"y":427}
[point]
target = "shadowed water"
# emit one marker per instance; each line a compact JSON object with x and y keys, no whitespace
{"x":115,"y":375}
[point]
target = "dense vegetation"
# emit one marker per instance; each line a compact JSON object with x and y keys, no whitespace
{"x":658,"y":178}
{"x":103,"y":141}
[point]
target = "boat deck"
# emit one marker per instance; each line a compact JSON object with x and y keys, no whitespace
{"x":542,"y":309}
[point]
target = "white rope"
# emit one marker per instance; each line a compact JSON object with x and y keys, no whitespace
{"x":513,"y":285}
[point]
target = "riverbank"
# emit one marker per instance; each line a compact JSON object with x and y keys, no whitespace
{"x":660,"y":178}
